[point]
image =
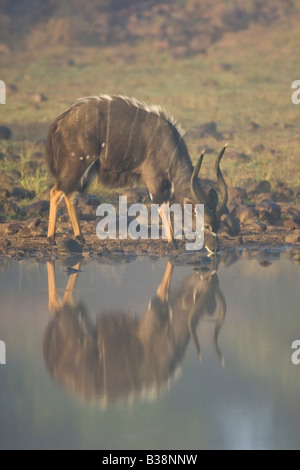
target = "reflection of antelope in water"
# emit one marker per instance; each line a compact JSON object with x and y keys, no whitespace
{"x":119,"y":356}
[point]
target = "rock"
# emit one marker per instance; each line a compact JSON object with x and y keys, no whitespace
{"x":236,"y":195}
{"x":265,"y":263}
{"x":253,"y":126}
{"x":295,"y":253}
{"x":291,"y":212}
{"x":5,"y":133}
{"x":69,"y":246}
{"x":258,"y":188}
{"x":33,"y":223}
{"x":39,"y":208}
{"x":9,"y":209}
{"x":286,"y":195}
{"x":38,"y":98}
{"x":263,"y":197}
{"x":296,"y":191}
{"x":292,"y":224}
{"x":259,"y":148}
{"x":4,"y":193}
{"x":245,"y":214}
{"x":25,"y":232}
{"x":257,"y":227}
{"x":209,"y":128}
{"x":21,"y":193}
{"x":230,"y":224}
{"x":269,"y":210}
{"x":293,"y":237}
{"x":13,"y":229}
{"x":11,"y":88}
{"x":4,"y":243}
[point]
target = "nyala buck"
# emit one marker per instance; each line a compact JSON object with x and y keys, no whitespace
{"x":122,"y":140}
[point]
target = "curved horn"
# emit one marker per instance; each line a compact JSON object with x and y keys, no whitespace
{"x":221,"y":184}
{"x":219,"y":324}
{"x":196,"y":191}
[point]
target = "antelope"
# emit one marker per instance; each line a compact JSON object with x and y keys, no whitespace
{"x":118,"y":356}
{"x":122,"y":141}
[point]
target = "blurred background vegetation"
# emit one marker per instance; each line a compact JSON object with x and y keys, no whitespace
{"x":224,"y":69}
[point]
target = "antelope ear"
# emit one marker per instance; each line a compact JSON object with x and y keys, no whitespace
{"x":212,"y":199}
{"x":189,"y":201}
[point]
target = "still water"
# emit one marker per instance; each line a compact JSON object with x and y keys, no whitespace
{"x":147,"y":355}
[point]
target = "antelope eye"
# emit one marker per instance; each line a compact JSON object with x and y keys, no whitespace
{"x":207,"y":227}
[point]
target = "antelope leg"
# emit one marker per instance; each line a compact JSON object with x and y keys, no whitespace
{"x":54,"y":301}
{"x":68,"y":295}
{"x":164,"y":287}
{"x":166,"y":220}
{"x":55,"y":198}
{"x":70,"y":203}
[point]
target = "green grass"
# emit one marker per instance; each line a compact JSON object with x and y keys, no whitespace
{"x":256,"y":88}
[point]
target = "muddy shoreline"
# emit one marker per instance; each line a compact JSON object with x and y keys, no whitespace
{"x":34,"y":246}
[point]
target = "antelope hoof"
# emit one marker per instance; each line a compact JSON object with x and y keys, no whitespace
{"x":173,"y":244}
{"x":80,"y":239}
{"x":51,"y":241}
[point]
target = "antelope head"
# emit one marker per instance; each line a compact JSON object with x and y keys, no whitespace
{"x":213,"y":208}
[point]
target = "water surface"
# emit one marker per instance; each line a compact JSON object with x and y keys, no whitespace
{"x":146,"y":355}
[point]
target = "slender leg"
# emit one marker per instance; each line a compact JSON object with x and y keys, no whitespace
{"x":166,"y":220}
{"x":164,"y":287}
{"x":68,"y":295}
{"x":54,"y":301}
{"x":70,"y":203}
{"x":55,"y":198}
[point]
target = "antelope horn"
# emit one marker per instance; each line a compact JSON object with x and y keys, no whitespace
{"x":196,"y":191}
{"x":221,"y":184}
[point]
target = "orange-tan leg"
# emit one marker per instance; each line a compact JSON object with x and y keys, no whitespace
{"x":69,"y":291}
{"x":166,"y":220}
{"x":164,"y":287}
{"x":55,"y":198}
{"x":55,"y":304}
{"x":70,"y":203}
{"x":54,"y":301}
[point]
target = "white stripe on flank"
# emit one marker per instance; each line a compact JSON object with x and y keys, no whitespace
{"x":108,"y":127}
{"x":131,"y":133}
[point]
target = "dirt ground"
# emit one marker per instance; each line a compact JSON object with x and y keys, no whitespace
{"x":18,"y":246}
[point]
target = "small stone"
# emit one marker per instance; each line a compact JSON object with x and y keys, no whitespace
{"x":292,"y":224}
{"x":293,"y":237}
{"x":33,"y":223}
{"x":25,"y":232}
{"x":4,"y":193}
{"x":21,"y":193}
{"x":295,"y":253}
{"x":5,"y":133}
{"x":236,"y":195}
{"x":38,"y":98}
{"x":4,"y":243}
{"x":231,"y":224}
{"x":39,"y":208}
{"x":69,"y":245}
{"x":257,"y":227}
{"x":258,"y":188}
{"x":13,"y":229}
{"x":246,"y":214}
{"x":269,"y":210}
